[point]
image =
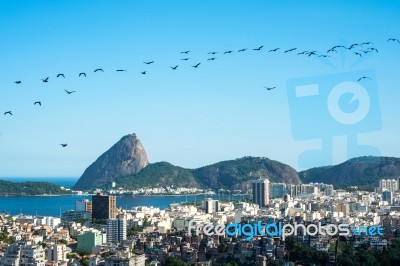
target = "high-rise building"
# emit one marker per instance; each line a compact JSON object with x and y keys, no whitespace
{"x":57,"y":252}
{"x":116,"y":230}
{"x":261,"y":192}
{"x":387,"y":196}
{"x":104,"y":207}
{"x":389,"y":184}
{"x":211,"y":206}
{"x":83,"y":205}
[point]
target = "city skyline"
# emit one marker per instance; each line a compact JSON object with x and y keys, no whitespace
{"x":190,"y":117}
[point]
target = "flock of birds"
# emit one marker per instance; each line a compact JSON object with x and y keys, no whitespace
{"x":358,"y":49}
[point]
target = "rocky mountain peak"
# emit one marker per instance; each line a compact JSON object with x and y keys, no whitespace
{"x":126,"y":157}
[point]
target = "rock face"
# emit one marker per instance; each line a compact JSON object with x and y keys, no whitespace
{"x":126,"y":157}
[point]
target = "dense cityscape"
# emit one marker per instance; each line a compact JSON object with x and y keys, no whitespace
{"x":99,"y":233}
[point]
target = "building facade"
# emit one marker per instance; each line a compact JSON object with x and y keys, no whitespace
{"x":116,"y":230}
{"x":261,"y":192}
{"x":104,"y":207}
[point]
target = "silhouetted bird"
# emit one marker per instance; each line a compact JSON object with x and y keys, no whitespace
{"x":82,"y":74}
{"x":363,"y":78}
{"x":393,"y":40}
{"x":46,"y":79}
{"x":274,"y":50}
{"x":40,"y":103}
{"x":143,"y":72}
{"x":120,"y":70}
{"x":196,"y":66}
{"x":8,"y":113}
{"x":60,"y":75}
{"x":148,"y":63}
{"x":211,"y":59}
{"x":312,"y":53}
{"x":287,"y":51}
{"x":302,"y":52}
{"x":69,"y":92}
{"x":373,"y":49}
{"x":242,"y":50}
{"x":175,"y":67}
{"x":367,"y":43}
{"x":323,"y":55}
{"x":228,"y":52}
{"x":269,"y":88}
{"x":64,"y":145}
{"x":213,"y":53}
{"x":185,"y":59}
{"x":185,"y":52}
{"x":352,"y":46}
{"x":18,"y":82}
{"x":259,"y":48}
{"x":358,"y":54}
{"x":332,"y":50}
{"x":99,"y":69}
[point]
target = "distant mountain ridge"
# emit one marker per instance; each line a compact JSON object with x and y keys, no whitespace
{"x":126,"y":164}
{"x":360,"y":171}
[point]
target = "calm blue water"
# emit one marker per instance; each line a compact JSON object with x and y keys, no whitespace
{"x":61,"y":181}
{"x":50,"y":205}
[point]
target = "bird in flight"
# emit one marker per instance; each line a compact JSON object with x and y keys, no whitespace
{"x":99,"y":69}
{"x":269,"y":88}
{"x":64,"y":145}
{"x":148,"y":63}
{"x":185,"y":59}
{"x":312,"y":53}
{"x":352,"y":46}
{"x":82,"y":74}
{"x":228,"y":52}
{"x":332,"y":50}
{"x":60,"y":75}
{"x":40,"y":103}
{"x":259,"y":48}
{"x":143,"y":72}
{"x":358,"y":54}
{"x":197,"y":65}
{"x":46,"y":79}
{"x":393,"y":40}
{"x":175,"y":67}
{"x":373,"y":49}
{"x":242,"y":50}
{"x":185,"y":52}
{"x":211,"y":59}
{"x":274,"y":50}
{"x":8,"y":113}
{"x":323,"y":55}
{"x":287,"y":51}
{"x":17,"y":82}
{"x":69,"y":92}
{"x":367,"y":43}
{"x":213,"y":53}
{"x":120,"y":70}
{"x":304,"y":52}
{"x":363,"y":78}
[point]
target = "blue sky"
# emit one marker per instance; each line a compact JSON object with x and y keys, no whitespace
{"x":189,"y":117}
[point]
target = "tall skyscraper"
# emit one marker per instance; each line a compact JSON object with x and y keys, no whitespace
{"x":211,"y":206}
{"x":116,"y":230}
{"x":261,"y":192}
{"x":104,"y":207}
